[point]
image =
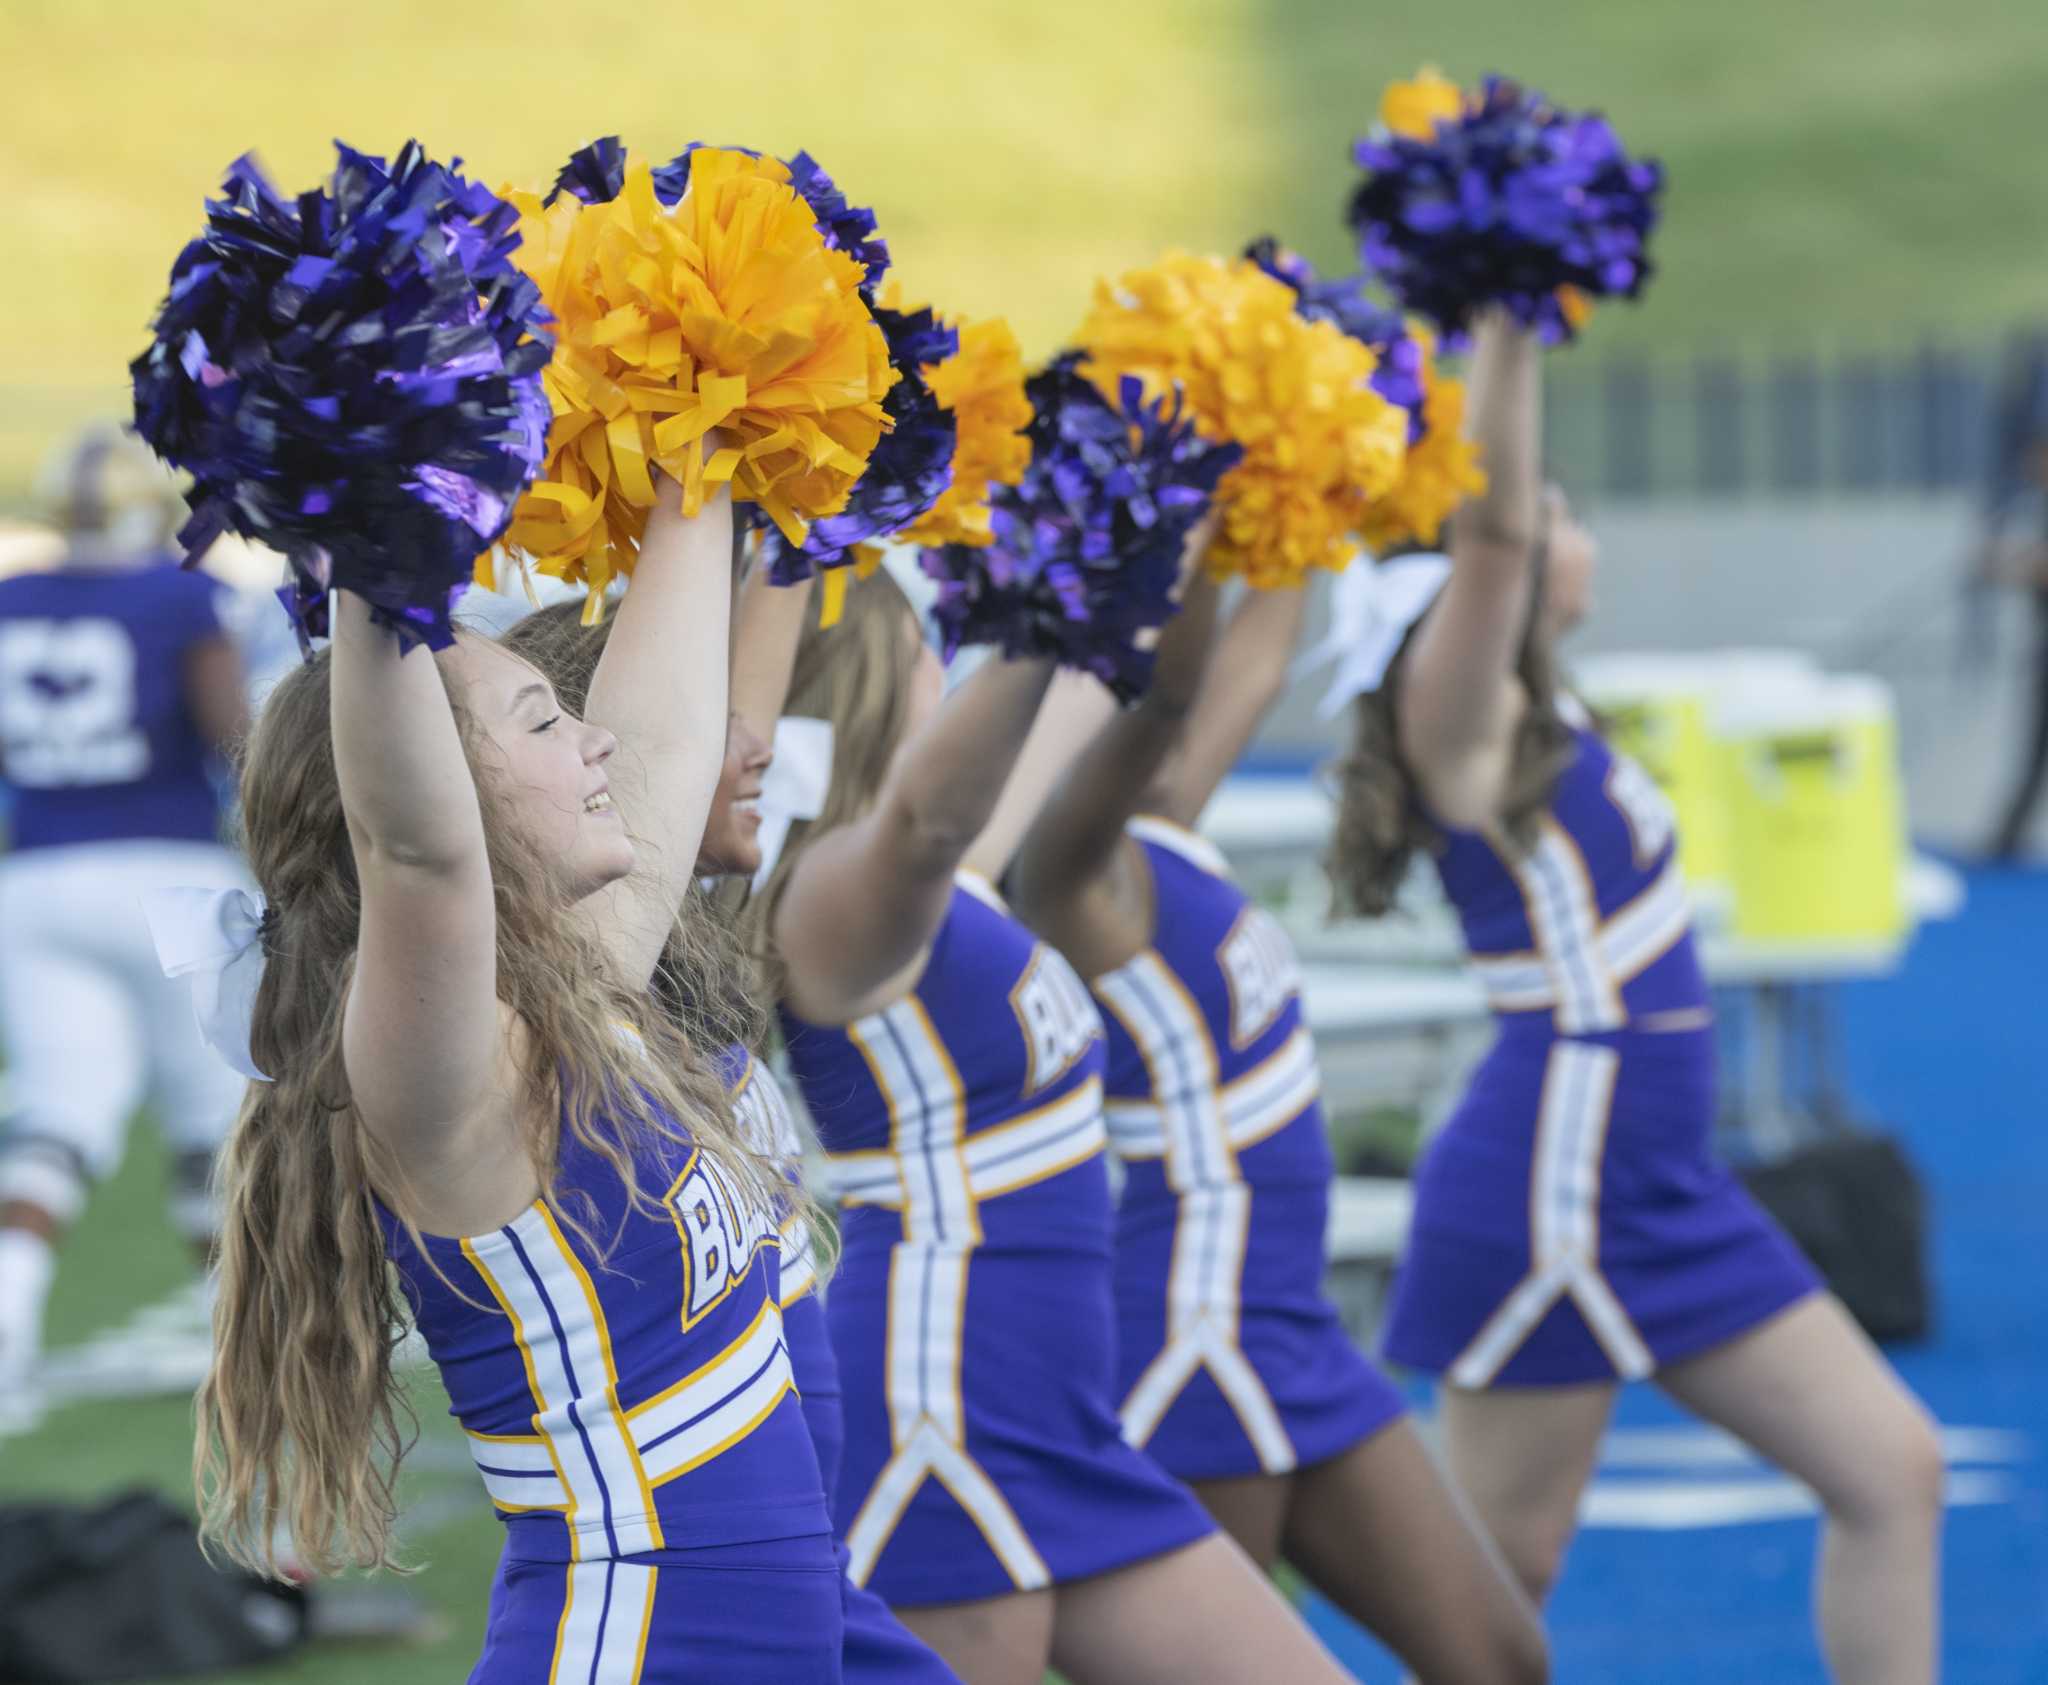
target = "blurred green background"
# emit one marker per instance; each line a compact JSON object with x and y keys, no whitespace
{"x":1852,"y":168}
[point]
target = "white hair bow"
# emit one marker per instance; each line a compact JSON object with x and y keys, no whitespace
{"x":1372,"y":607}
{"x":795,"y":784}
{"x":213,"y":937}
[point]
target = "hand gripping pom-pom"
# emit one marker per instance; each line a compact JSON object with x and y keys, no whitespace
{"x":1502,"y":199}
{"x":982,"y":385}
{"x":726,"y":310}
{"x":1441,"y":468}
{"x":1086,"y":548}
{"x":352,"y":378}
{"x":911,"y":466}
{"x":1296,"y":394}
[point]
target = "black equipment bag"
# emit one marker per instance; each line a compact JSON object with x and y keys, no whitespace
{"x":1855,"y":1205}
{"x":119,"y":1590}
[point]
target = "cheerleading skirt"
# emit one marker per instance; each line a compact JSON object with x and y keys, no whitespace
{"x":982,"y":1453}
{"x":1231,"y":1359}
{"x":879,"y":1649}
{"x":755,"y":1614}
{"x":1572,"y":1225}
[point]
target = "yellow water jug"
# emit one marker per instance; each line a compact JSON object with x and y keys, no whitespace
{"x":1815,"y":809}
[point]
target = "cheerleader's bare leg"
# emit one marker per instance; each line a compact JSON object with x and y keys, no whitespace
{"x":1809,"y":1392}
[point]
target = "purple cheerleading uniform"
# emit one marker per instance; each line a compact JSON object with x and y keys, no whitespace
{"x":631,"y":1409}
{"x":1231,"y":1361}
{"x":972,"y":1311}
{"x":879,"y":1649}
{"x":1571,"y":1222}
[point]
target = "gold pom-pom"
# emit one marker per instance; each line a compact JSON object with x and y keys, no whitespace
{"x":1319,"y":443}
{"x":983,"y":385}
{"x":1442,"y":467}
{"x":727,"y":311}
{"x":1415,"y":108}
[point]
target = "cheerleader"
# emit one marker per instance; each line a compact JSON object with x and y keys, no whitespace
{"x":702,"y":981}
{"x":468,"y":891}
{"x":120,"y":691}
{"x":1571,"y":1229}
{"x":1234,"y":1370}
{"x":953,"y":1067}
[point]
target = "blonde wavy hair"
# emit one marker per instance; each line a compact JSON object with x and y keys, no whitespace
{"x":301,"y":1421}
{"x":856,"y":674}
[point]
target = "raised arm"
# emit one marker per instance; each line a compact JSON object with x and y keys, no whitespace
{"x":1079,"y":708}
{"x":660,"y":688}
{"x":768,"y":626}
{"x":1245,"y":677}
{"x":421,"y":1032}
{"x":866,"y":900}
{"x":1068,"y":876}
{"x":1459,"y":696}
{"x":1076,"y":707}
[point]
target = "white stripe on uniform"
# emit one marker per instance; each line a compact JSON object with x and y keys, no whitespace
{"x":1564,"y":1219}
{"x":1622,"y":947}
{"x":1027,"y":1149}
{"x":716,"y":1405}
{"x":560,"y":1327}
{"x":1213,"y":1221}
{"x":928,"y":1174}
{"x":602,"y":1638}
{"x":1266,"y":1098}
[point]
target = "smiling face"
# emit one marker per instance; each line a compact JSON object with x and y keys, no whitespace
{"x":732,"y":845}
{"x":543,"y":765}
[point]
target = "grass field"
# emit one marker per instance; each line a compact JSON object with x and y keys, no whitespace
{"x":124,"y":1256}
{"x":1843,"y":167}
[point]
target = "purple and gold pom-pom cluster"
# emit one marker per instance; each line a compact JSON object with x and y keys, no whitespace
{"x":1087,"y":547}
{"x":596,"y":173}
{"x":1347,"y":305}
{"x":1441,"y":468}
{"x":912,"y":464}
{"x":1501,"y":198}
{"x":401,"y":377}
{"x":353,"y":378}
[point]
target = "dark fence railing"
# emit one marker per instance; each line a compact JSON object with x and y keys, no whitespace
{"x":1727,"y":423}
{"x":1702,"y":423}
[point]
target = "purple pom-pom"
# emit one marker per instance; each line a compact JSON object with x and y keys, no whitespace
{"x":597,"y":173}
{"x":1398,"y":378}
{"x":353,"y":378}
{"x":1505,"y":204}
{"x":847,"y":228}
{"x":1087,"y":547}
{"x":911,"y":465}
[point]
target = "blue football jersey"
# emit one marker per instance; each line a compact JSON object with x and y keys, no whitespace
{"x":97,"y":740}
